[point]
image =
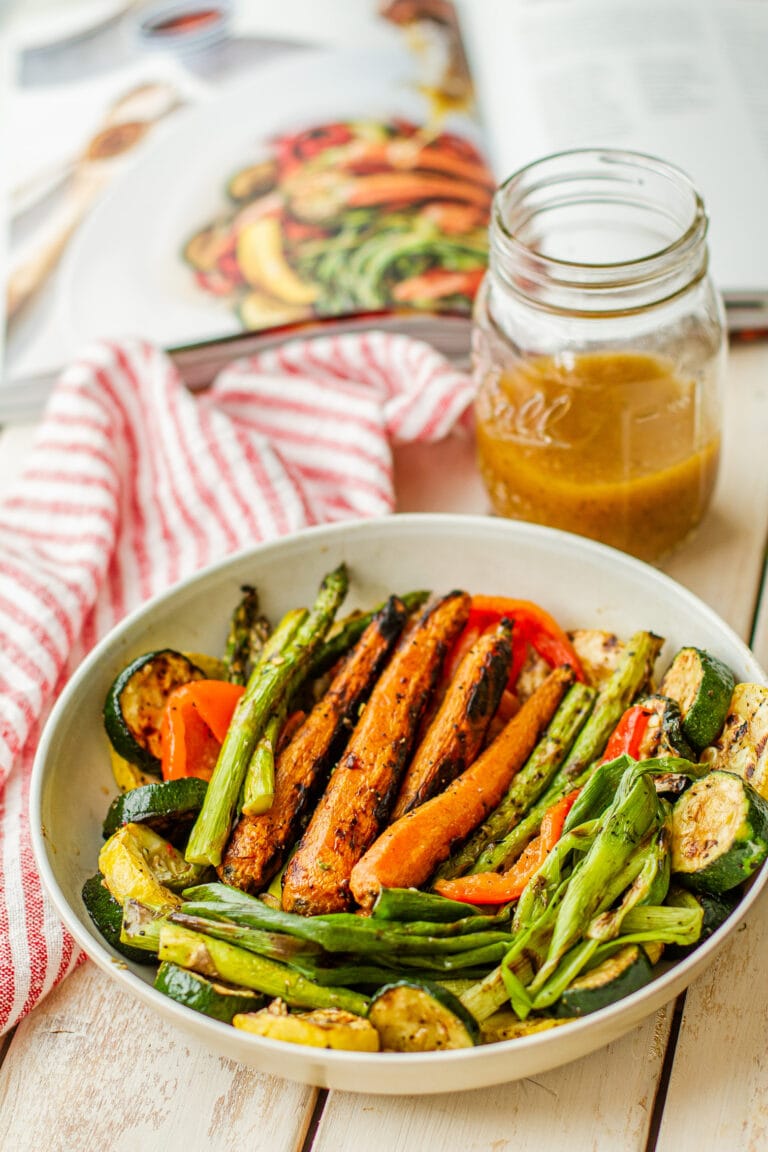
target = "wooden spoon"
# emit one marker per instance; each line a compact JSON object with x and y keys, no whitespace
{"x":125,"y":125}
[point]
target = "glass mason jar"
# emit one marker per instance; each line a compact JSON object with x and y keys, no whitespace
{"x":599,"y":351}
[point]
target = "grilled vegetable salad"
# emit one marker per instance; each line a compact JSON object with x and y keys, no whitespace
{"x":438,"y":823}
{"x":348,"y":217}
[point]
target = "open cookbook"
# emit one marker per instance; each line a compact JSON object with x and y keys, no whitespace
{"x":214,"y":176}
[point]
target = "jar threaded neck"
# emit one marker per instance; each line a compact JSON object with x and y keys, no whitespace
{"x":640,"y":219}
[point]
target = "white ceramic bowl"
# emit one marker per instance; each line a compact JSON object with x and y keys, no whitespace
{"x":581,"y":583}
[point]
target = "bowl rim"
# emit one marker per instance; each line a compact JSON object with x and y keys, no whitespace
{"x":674,"y":979}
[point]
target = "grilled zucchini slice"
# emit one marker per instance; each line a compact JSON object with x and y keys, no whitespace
{"x":742,"y":746}
{"x":702,"y":686}
{"x":212,"y":667}
{"x":211,"y":997}
{"x":168,"y":806}
{"x":137,"y":864}
{"x":621,"y":974}
{"x":418,"y":1016}
{"x":107,"y":915}
{"x":204,"y":250}
{"x":719,"y":833}
{"x":135,"y":703}
{"x":256,"y":180}
{"x":506,"y":1025}
{"x":127,"y":775}
{"x":321,"y":1028}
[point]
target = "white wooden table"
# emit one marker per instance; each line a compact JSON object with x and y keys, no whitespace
{"x":93,"y":1071}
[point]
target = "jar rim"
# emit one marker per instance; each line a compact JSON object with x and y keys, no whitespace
{"x":689,"y":237}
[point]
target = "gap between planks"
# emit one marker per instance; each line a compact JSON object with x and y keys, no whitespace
{"x":5,"y":1042}
{"x":660,"y":1099}
{"x":314,"y":1121}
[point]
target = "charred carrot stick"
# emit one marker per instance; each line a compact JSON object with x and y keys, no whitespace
{"x":363,"y":786}
{"x":327,"y":194}
{"x":438,"y":159}
{"x":259,"y":844}
{"x":454,"y":218}
{"x":409,"y":154}
{"x":458,"y":728}
{"x":387,"y":187}
{"x":408,"y":851}
{"x":501,"y":887}
{"x":438,"y":282}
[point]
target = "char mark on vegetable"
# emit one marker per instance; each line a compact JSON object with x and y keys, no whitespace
{"x":317,"y":877}
{"x":259,"y":844}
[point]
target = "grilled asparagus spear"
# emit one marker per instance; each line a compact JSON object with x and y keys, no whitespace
{"x":248,"y":631}
{"x":527,"y":786}
{"x":264,"y":694}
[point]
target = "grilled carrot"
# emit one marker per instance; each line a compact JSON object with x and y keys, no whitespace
{"x":324,"y":195}
{"x":407,"y":853}
{"x":363,"y":786}
{"x":407,"y":155}
{"x":259,"y":844}
{"x":392,"y":187}
{"x":458,"y":729}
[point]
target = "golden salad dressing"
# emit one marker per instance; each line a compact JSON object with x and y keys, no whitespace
{"x":611,"y":445}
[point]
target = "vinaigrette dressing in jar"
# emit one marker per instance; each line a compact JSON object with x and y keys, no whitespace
{"x":599,"y":352}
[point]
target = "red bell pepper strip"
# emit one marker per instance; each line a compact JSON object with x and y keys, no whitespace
{"x":553,"y":820}
{"x":217,"y":282}
{"x":216,"y":701}
{"x":540,"y":629}
{"x":532,"y":625}
{"x":189,"y":748}
{"x":438,"y":282}
{"x":627,"y":736}
{"x":194,"y":724}
{"x":501,"y":887}
{"x":294,"y":149}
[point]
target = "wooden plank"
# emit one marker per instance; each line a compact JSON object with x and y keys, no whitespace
{"x":94,"y":1069}
{"x":723,"y":563}
{"x":4,"y":1044}
{"x":603,"y":1101}
{"x":718,"y":1089}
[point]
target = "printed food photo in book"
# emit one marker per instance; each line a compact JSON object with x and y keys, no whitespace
{"x":349,"y":216}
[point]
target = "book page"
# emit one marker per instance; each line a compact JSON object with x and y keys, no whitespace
{"x":685,"y":80}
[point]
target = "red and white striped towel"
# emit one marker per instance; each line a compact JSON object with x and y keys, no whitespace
{"x":133,"y":483}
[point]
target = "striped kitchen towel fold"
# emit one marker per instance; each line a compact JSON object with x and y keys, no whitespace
{"x":134,"y":483}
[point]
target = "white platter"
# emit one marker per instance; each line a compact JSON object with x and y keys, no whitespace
{"x":581,"y":583}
